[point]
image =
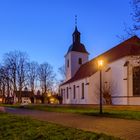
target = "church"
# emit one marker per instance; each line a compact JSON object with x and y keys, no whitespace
{"x":120,"y":74}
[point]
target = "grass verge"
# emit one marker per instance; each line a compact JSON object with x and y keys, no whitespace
{"x":124,"y":112}
{"x":24,"y":128}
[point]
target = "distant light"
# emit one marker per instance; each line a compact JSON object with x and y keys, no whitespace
{"x":0,"y":99}
{"x":52,"y":100}
{"x":49,"y":94}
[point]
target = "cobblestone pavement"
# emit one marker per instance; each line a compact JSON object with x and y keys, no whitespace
{"x":126,"y":129}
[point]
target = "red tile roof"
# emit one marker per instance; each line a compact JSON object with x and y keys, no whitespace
{"x":126,"y":48}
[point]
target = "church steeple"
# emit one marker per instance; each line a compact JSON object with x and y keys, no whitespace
{"x":77,"y":46}
{"x":76,"y":55}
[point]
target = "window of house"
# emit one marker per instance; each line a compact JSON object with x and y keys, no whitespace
{"x":67,"y":93}
{"x":82,"y":91}
{"x":68,"y":63}
{"x":73,"y":91}
{"x":136,"y":81}
{"x":80,"y":61}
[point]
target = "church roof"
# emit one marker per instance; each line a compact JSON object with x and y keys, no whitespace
{"x":126,"y":48}
{"x":77,"y":46}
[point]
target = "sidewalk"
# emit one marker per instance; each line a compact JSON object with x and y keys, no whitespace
{"x":126,"y":129}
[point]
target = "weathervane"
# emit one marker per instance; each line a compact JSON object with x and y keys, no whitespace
{"x":75,"y":20}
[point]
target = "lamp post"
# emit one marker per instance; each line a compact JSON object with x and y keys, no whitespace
{"x":100,"y":65}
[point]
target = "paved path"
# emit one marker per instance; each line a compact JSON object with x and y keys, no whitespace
{"x":126,"y":129}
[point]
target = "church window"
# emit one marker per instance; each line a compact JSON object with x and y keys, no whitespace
{"x":82,"y":91}
{"x":68,"y":63}
{"x":67,"y":93}
{"x":63,"y":94}
{"x":80,"y":61}
{"x":136,"y":81}
{"x":73,"y":91}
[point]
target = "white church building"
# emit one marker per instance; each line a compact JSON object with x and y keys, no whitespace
{"x":120,"y":74}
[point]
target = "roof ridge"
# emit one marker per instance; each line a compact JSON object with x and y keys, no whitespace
{"x":123,"y":42}
{"x":119,"y":51}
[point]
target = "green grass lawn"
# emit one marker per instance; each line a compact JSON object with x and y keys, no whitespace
{"x":125,"y":112}
{"x":24,"y":128}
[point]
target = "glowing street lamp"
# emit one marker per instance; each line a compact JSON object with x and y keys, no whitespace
{"x":100,"y":63}
{"x":100,"y":66}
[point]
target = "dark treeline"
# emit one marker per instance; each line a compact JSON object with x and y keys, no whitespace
{"x":17,"y":73}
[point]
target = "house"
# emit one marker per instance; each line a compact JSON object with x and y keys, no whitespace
{"x":25,"y":96}
{"x":120,"y":74}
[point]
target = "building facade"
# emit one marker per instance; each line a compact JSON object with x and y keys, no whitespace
{"x":120,"y":74}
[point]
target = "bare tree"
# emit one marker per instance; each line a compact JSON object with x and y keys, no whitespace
{"x":128,"y":32}
{"x":22,"y":73}
{"x":62,"y":72}
{"x":136,"y":14}
{"x":131,"y":30}
{"x":46,"y":77}
{"x":2,"y":82}
{"x":11,"y":62}
{"x":32,"y":75}
{"x":5,"y":82}
{"x":16,"y":64}
{"x":107,"y":90}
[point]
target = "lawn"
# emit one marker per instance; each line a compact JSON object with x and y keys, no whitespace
{"x":24,"y":128}
{"x":125,"y":112}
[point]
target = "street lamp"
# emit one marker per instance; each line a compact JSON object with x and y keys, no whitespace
{"x":100,"y":65}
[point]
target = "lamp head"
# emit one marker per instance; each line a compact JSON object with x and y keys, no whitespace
{"x":100,"y":63}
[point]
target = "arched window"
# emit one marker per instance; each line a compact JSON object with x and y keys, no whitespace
{"x":83,"y":91}
{"x":67,"y":93}
{"x":136,"y":81}
{"x":80,"y":61}
{"x":73,"y":91}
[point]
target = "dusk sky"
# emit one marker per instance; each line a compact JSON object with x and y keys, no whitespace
{"x":43,"y":28}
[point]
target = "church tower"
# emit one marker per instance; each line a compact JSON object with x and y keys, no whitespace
{"x":76,"y":55}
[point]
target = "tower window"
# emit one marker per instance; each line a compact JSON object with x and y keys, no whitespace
{"x":68,"y":63}
{"x":80,"y":61}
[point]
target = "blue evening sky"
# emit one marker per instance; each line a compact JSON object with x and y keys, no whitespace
{"x":43,"y":28}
